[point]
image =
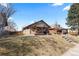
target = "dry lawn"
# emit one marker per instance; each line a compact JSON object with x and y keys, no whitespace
{"x":53,"y":45}
{"x":74,"y":38}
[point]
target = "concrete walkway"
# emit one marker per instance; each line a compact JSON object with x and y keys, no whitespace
{"x":73,"y":51}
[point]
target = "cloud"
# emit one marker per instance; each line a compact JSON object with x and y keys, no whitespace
{"x":57,"y":4}
{"x":10,"y":18}
{"x":32,"y":22}
{"x":67,"y":8}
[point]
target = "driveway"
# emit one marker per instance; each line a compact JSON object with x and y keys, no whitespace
{"x":73,"y":51}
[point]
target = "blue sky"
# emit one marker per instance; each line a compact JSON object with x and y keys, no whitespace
{"x":27,"y":13}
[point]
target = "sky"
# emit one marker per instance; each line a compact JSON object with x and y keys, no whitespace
{"x":28,"y":13}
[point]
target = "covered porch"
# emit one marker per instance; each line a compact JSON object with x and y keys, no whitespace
{"x":39,"y":31}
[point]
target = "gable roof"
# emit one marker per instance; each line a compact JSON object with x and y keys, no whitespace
{"x":36,"y":23}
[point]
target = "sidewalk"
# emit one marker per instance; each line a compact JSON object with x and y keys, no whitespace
{"x":73,"y":51}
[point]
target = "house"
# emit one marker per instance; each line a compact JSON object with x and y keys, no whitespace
{"x":73,"y":31}
{"x":16,"y":33}
{"x":37,"y":28}
{"x":57,"y":29}
{"x":64,"y":31}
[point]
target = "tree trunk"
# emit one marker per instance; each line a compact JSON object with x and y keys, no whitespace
{"x":78,"y":28}
{"x":78,"y":31}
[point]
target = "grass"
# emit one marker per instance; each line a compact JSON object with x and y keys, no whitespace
{"x":74,"y":38}
{"x":33,"y":45}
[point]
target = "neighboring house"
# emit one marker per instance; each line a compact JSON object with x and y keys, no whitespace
{"x":37,"y":28}
{"x":73,"y":31}
{"x":16,"y":33}
{"x":64,"y":31}
{"x":56,"y":29}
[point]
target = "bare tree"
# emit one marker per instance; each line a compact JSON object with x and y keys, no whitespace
{"x":6,"y":12}
{"x":12,"y":25}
